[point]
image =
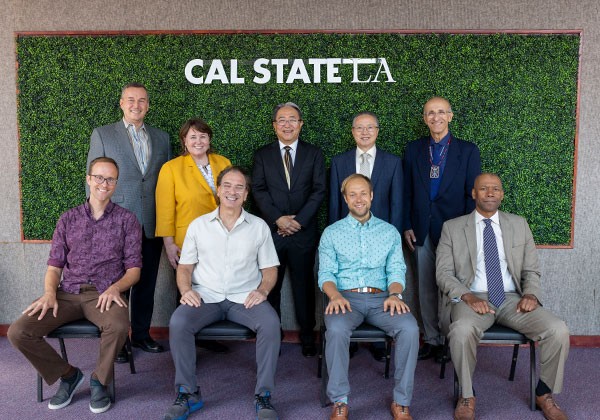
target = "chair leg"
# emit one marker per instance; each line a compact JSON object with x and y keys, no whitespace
{"x":388,"y":357}
{"x":130,"y":355}
{"x":63,"y":349}
{"x":40,"y":390}
{"x":513,"y":365}
{"x":456,"y":387}
{"x":321,"y":353}
{"x":111,"y":386}
{"x":444,"y":360}
{"x":532,"y":375}
{"x":324,"y":377}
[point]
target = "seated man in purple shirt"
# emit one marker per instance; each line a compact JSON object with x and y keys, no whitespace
{"x":96,"y":249}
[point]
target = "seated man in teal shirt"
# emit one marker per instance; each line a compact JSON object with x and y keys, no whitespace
{"x":361,"y":269}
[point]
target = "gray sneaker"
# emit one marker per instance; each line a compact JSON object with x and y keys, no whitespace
{"x":264,"y":409}
{"x":185,"y":404}
{"x":100,"y":401}
{"x":65,"y":392}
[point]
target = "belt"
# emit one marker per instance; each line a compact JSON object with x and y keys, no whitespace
{"x":365,"y":290}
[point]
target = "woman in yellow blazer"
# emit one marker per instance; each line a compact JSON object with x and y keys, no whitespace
{"x":186,"y":186}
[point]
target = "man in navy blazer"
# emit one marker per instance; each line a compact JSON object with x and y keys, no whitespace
{"x":288,"y":186}
{"x":439,"y":173}
{"x":384,"y":169}
{"x":140,"y":151}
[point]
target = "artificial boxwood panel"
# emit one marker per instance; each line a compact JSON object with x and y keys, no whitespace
{"x":514,"y":95}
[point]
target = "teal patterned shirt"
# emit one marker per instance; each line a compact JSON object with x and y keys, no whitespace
{"x":353,"y":255}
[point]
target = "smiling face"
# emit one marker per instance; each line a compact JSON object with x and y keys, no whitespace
{"x":488,"y":194}
{"x":437,"y":114}
{"x":134,"y":103}
{"x":232,"y":191}
{"x":365,"y":131}
{"x":102,"y":192}
{"x":287,"y":125}
{"x":197,"y":143}
{"x":358,"y":196}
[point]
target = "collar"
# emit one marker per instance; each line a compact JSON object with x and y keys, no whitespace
{"x":355,"y":223}
{"x":214,"y":215}
{"x":495,"y":217}
{"x":294,"y":145}
{"x":443,"y":142}
{"x":127,"y":124}
{"x":88,"y":209}
{"x":372,"y":151}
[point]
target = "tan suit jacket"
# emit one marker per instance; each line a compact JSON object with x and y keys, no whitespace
{"x":182,"y":194}
{"x":456,"y":260}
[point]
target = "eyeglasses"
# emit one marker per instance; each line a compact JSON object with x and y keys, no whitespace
{"x":369,"y":128}
{"x":100,"y":179}
{"x":441,"y":113}
{"x":292,"y":121}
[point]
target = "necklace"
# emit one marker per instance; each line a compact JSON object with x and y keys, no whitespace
{"x":434,"y":171}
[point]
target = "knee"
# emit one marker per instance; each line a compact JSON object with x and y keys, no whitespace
{"x":269,"y":327}
{"x":337,"y":330}
{"x":411,"y":329}
{"x":560,"y":331}
{"x":14,"y":334}
{"x":461,"y":332}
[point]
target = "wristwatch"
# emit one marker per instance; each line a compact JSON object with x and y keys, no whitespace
{"x":398,"y":295}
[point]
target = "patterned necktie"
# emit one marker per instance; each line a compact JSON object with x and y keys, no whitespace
{"x":289,"y":166}
{"x":365,"y":167}
{"x":492,"y":265}
{"x":139,"y":149}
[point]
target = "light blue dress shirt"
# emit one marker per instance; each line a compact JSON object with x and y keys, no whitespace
{"x":353,"y":255}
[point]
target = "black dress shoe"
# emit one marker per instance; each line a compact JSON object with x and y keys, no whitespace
{"x":377,"y":351}
{"x":309,"y":350}
{"x":212,"y":345}
{"x":427,"y":351}
{"x":149,"y":345}
{"x":122,"y":356}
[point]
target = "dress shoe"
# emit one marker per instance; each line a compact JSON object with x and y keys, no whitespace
{"x":465,"y":409}
{"x":400,"y":412}
{"x":122,"y":356}
{"x":149,"y":345}
{"x":309,"y":350}
{"x":427,"y":351}
{"x":340,"y":411}
{"x":377,"y":351}
{"x":549,"y":407}
{"x":212,"y":345}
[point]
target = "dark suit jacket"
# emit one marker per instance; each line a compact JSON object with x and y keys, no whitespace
{"x":456,"y":260}
{"x":273,"y":197}
{"x":135,"y":191}
{"x":454,"y":199}
{"x":387,"y":186}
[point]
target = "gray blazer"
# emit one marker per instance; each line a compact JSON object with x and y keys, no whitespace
{"x":456,"y":259}
{"x":135,"y":191}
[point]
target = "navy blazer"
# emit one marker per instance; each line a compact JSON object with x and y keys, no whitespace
{"x":424,"y":216}
{"x":305,"y":195}
{"x":387,"y":186}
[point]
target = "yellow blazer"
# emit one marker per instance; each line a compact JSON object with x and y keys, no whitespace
{"x":182,"y":194}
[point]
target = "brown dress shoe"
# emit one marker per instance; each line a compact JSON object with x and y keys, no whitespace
{"x":340,"y":411}
{"x":465,"y":409}
{"x":549,"y":407}
{"x":400,"y":412}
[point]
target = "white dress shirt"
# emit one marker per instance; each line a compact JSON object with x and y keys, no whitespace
{"x":372,"y":151}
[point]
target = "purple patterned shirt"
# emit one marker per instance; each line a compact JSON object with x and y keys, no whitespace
{"x":96,"y":252}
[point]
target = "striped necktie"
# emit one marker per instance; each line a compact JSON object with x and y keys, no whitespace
{"x":140,"y":148}
{"x":289,"y":165}
{"x":492,"y":265}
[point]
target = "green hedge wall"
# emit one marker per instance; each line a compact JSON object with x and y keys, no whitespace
{"x":514,"y":95}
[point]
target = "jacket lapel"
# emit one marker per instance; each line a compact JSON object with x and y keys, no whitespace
{"x":195,"y":174}
{"x":125,"y":144}
{"x":299,"y":162}
{"x":452,"y":166}
{"x":471,"y":238}
{"x":378,"y":165}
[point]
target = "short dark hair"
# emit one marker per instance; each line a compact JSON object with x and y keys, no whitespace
{"x":283,"y":105}
{"x":235,"y":168}
{"x":133,"y":85}
{"x":197,"y":124}
{"x":355,"y":176}
{"x":369,"y":113}
{"x":100,"y":160}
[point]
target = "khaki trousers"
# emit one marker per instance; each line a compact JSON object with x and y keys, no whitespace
{"x":26,"y":334}
{"x":467,"y":328}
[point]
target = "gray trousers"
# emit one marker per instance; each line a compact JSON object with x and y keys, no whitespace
{"x":402,"y":328}
{"x":186,"y":321}
{"x":428,"y":292}
{"x":467,"y":328}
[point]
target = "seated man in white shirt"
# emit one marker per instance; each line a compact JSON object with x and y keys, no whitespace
{"x":228,"y":266}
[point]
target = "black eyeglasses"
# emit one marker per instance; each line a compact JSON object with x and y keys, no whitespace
{"x":100,"y":179}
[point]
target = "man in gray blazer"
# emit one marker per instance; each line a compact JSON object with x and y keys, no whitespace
{"x":140,"y":151}
{"x":487,"y":270}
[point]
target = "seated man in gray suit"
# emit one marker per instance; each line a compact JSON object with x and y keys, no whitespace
{"x":487,"y":269}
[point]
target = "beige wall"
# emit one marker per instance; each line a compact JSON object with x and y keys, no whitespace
{"x":570,"y":280}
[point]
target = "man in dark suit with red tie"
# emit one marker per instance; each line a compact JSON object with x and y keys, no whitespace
{"x":288,"y":185}
{"x":439,"y":172}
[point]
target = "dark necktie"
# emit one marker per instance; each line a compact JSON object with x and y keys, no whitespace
{"x":492,"y":265}
{"x":289,"y":166}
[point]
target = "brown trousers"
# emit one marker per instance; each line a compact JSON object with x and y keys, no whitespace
{"x":26,"y":334}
